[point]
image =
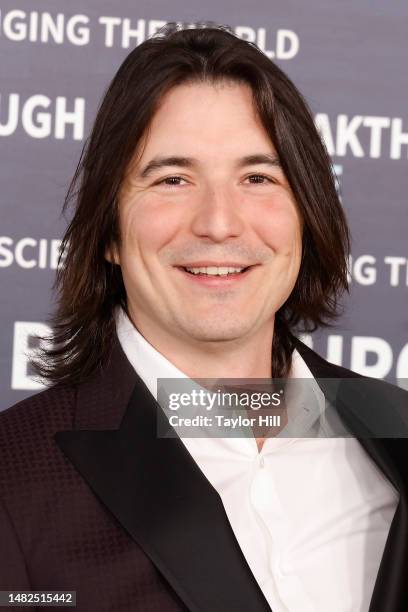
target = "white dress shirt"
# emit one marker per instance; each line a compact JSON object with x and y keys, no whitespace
{"x":311,"y":515}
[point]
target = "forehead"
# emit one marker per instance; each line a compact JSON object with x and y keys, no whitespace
{"x":199,"y":118}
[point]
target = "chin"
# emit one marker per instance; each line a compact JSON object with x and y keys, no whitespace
{"x":216,"y":330}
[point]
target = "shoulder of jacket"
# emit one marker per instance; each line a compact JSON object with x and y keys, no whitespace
{"x":353,"y":379}
{"x":37,"y":416}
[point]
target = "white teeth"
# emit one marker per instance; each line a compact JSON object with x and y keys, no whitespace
{"x":214,"y":271}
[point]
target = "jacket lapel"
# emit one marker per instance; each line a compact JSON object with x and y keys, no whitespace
{"x":157,"y":492}
{"x":390,"y":454}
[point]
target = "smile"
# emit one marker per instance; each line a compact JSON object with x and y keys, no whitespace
{"x":213,"y":276}
{"x":215,"y":271}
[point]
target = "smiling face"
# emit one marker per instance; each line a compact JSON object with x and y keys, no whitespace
{"x":207,"y":192}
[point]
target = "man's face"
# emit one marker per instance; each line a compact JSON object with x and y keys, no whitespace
{"x":214,"y":207}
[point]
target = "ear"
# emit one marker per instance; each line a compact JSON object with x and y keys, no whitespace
{"x":112,"y":254}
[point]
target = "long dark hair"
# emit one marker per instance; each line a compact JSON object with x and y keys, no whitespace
{"x":89,"y":288}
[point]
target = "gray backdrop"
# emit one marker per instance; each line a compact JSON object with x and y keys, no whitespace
{"x":350,"y":60}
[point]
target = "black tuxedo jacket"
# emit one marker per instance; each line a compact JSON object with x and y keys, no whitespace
{"x":92,"y":500}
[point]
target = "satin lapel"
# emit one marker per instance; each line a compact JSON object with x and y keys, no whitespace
{"x":162,"y":499}
{"x":391,"y":588}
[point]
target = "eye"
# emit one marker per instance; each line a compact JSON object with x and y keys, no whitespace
{"x":170,"y":181}
{"x":261,"y":179}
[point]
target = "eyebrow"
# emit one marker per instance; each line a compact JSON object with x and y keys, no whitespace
{"x":189,"y":162}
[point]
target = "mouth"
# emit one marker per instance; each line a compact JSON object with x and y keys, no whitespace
{"x":213,"y":276}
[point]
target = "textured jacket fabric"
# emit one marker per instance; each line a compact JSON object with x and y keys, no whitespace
{"x":55,"y":534}
{"x":91,"y":500}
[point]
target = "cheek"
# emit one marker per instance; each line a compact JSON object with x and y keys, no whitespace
{"x":280,"y":230}
{"x":146,"y":227}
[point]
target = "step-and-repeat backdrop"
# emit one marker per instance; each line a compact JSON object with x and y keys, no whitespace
{"x":348,"y":58}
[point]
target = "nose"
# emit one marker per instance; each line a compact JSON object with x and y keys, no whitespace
{"x":218,"y":215}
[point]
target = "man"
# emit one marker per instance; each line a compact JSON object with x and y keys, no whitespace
{"x":206,"y":229}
